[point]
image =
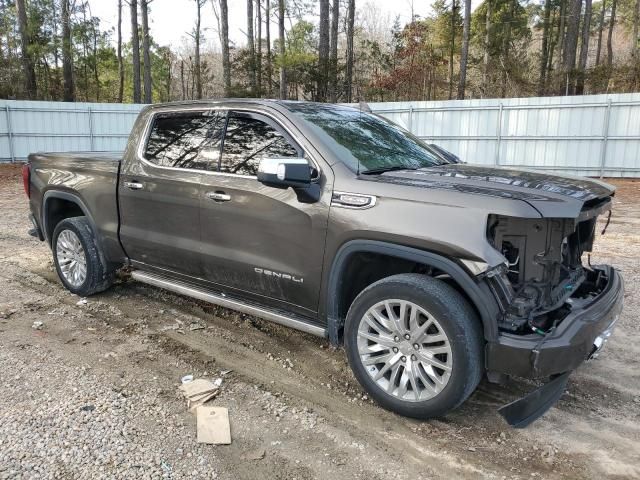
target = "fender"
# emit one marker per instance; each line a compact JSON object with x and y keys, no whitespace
{"x":479,"y":293}
{"x":71,"y":197}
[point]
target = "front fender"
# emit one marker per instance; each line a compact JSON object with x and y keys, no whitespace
{"x":478,"y":292}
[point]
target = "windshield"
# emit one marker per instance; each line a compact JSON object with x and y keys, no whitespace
{"x":366,"y":142}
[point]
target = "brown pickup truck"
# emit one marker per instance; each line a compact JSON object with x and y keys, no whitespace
{"x":430,"y":272}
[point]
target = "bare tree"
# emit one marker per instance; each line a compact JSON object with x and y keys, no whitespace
{"x":27,"y":61}
{"x":252,"y":49}
{"x":333,"y":54}
{"x":544,"y":54}
{"x":464,"y":55}
{"x":196,"y":58}
{"x":351,"y":14}
{"x":135,"y":47}
{"x":281,"y":41}
{"x":259,"y":45}
{"x":223,"y":29}
{"x":452,"y":46}
{"x":571,"y":46}
{"x":323,"y":51}
{"x":119,"y":54}
{"x":584,"y":47}
{"x":267,"y":27}
{"x":487,"y":46}
{"x":146,"y":55}
{"x":612,"y":22}
{"x":69,"y":93}
{"x":603,"y":10}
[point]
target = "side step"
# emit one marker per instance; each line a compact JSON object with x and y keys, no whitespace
{"x":228,"y":302}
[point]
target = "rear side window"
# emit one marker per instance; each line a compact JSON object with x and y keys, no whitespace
{"x":186,"y":140}
{"x":248,"y":139}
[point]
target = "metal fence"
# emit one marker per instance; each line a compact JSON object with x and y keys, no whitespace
{"x":594,"y":135}
{"x":27,"y":127}
{"x":597,"y":135}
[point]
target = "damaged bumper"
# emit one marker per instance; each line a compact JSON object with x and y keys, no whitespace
{"x":577,"y":338}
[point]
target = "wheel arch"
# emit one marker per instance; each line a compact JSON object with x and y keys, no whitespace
{"x":478,"y":295}
{"x":48,"y":203}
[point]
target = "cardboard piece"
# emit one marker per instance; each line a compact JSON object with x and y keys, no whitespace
{"x":213,"y":425}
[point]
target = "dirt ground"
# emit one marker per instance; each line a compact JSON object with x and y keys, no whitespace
{"x":93,"y":394}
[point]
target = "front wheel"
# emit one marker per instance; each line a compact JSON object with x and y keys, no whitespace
{"x":415,"y":345}
{"x":79,"y":263}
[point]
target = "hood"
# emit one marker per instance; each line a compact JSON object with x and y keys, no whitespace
{"x":552,"y":195}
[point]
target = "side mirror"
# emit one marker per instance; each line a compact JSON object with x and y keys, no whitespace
{"x":284,"y":172}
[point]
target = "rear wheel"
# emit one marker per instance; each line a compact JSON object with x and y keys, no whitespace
{"x":80,"y":265}
{"x":415,"y":345}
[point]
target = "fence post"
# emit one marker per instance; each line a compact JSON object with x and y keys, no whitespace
{"x":12,"y":153}
{"x":410,"y":121}
{"x":496,"y":160}
{"x":605,"y":138}
{"x":90,"y":129}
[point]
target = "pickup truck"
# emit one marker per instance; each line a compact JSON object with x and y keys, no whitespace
{"x":430,"y":272}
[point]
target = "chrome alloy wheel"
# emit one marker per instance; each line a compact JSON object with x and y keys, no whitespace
{"x":404,"y":350}
{"x":71,"y":258}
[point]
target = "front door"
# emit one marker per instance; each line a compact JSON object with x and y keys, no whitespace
{"x":159,"y":192}
{"x":260,"y":241}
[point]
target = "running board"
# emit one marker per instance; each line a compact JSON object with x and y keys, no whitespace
{"x":227,"y":302}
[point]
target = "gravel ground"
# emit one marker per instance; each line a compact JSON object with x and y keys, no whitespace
{"x":93,"y":392}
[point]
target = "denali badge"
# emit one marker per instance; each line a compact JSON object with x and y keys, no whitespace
{"x":286,"y":276}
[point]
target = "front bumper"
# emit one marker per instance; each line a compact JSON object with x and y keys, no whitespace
{"x":577,"y":338}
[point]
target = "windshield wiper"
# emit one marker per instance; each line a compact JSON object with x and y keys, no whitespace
{"x":377,"y":171}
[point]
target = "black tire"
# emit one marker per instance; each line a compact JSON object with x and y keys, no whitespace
{"x":99,"y":276}
{"x":454,"y":315}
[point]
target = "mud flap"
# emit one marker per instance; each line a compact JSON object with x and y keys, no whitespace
{"x":529,"y":408}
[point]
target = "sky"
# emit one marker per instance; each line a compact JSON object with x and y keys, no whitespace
{"x":170,"y":20}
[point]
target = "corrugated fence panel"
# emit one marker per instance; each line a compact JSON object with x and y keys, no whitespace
{"x":589,"y":135}
{"x":583,"y":135}
{"x":27,"y":127}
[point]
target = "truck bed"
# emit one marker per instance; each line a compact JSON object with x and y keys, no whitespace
{"x":89,"y":178}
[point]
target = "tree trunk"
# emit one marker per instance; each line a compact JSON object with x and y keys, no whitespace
{"x":252,"y":49}
{"x":544,"y":54}
{"x":267,"y":27}
{"x":119,"y":54}
{"x":465,"y":49}
{"x":584,"y":48}
{"x":333,"y":55}
{"x":487,"y":46}
{"x":600,"y":28}
{"x":562,"y":29}
{"x":323,"y":51}
{"x":452,"y":46}
{"x":612,"y":22}
{"x":634,"y":47}
{"x":259,"y":49}
{"x":30,"y":86}
{"x":135,"y":47}
{"x":351,"y":14}
{"x":224,"y":39}
{"x":184,"y":87}
{"x":571,"y":47}
{"x":196,"y":57}
{"x":146,"y":56}
{"x":281,"y":41}
{"x":69,"y":93}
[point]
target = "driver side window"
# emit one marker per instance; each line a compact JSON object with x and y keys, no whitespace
{"x":247,"y":140}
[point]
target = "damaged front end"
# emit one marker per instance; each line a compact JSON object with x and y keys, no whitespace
{"x":544,"y":273}
{"x":555,"y":310}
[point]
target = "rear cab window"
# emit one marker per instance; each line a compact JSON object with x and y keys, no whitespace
{"x":190,"y":140}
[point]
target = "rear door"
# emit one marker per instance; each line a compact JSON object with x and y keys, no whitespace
{"x":261,"y":241}
{"x":159,"y":191}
